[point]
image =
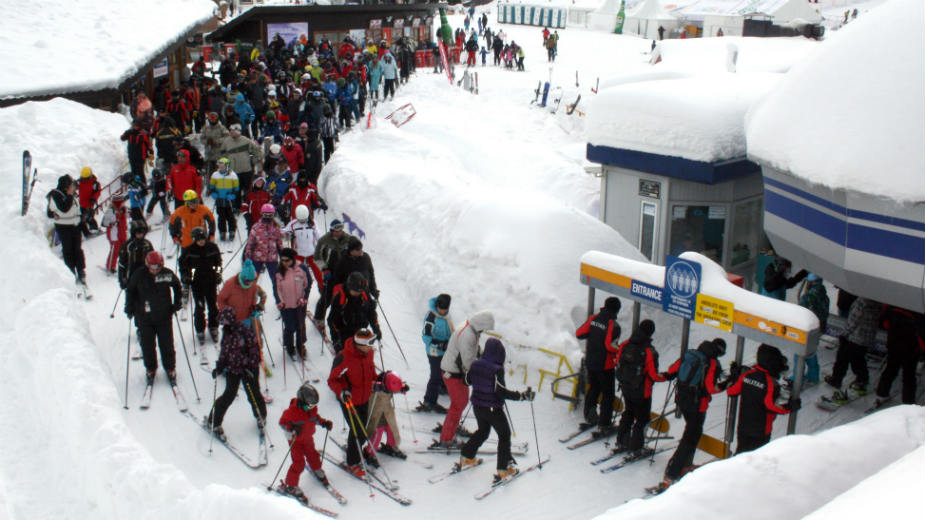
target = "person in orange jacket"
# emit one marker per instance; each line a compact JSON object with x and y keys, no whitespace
{"x":190,"y":215}
{"x":299,"y":421}
{"x":183,"y":177}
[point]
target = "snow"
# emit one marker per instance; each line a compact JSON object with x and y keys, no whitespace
{"x":482,"y":197}
{"x":695,"y":55}
{"x":861,"y":94}
{"x":48,"y":48}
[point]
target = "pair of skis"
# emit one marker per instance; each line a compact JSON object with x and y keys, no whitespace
{"x":262,"y":448}
{"x":389,"y":490}
{"x":177,"y":396}
{"x":28,"y":180}
{"x":278,"y":489}
{"x":631,"y":458}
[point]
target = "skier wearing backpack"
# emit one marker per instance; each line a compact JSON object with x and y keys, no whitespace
{"x":698,"y":373}
{"x":201,"y":270}
{"x":637,"y":369}
{"x":602,"y":332}
{"x":759,"y":390}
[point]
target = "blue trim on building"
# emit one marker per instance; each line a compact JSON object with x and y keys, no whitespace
{"x":674,"y":167}
{"x":859,"y":237}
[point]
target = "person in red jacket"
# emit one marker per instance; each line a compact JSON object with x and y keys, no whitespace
{"x":254,"y":201}
{"x":637,"y":369}
{"x":303,"y":192}
{"x":602,"y":333}
{"x":697,"y":381}
{"x":293,"y":153}
{"x":352,"y":376}
{"x":298,"y":421}
{"x":116,"y":225}
{"x":760,"y":390}
{"x":88,"y":192}
{"x":183,"y":176}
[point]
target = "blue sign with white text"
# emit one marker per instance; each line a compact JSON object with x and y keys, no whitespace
{"x":682,"y":283}
{"x":646,"y":291}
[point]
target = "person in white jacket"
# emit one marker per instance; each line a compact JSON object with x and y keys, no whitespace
{"x":65,"y":211}
{"x":461,"y":351}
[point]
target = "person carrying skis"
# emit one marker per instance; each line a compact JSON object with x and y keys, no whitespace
{"x":188,"y":217}
{"x":298,"y":422}
{"x":602,"y":333}
{"x":148,"y":300}
{"x":486,"y":377}
{"x":461,"y":351}
{"x":331,"y":247}
{"x":201,"y":269}
{"x":438,"y":328}
{"x":183,"y":177}
{"x":88,"y":192}
{"x":293,"y":284}
{"x":698,"y":373}
{"x":242,"y":294}
{"x":254,"y":201}
{"x":759,"y":390}
{"x":64,"y":209}
{"x":356,"y":261}
{"x":637,"y":369}
{"x":382,"y":415}
{"x":352,"y":309}
{"x":263,"y":244}
{"x":115,"y":222}
{"x":225,"y":189}
{"x":239,"y":361}
{"x":351,"y":379}
{"x":133,"y":252}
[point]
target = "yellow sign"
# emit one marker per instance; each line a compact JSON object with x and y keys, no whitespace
{"x":714,"y":312}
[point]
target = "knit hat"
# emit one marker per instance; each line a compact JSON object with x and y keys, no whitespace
{"x":647,"y":326}
{"x":248,"y":273}
{"x":443,"y":301}
{"x":337,"y":225}
{"x":392,"y":382}
{"x":612,"y":304}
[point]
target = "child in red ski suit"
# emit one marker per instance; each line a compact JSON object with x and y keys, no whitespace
{"x":298,"y":421}
{"x":116,"y":224}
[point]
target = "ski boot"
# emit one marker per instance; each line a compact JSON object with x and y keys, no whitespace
{"x":603,"y":431}
{"x":231,"y":236}
{"x":423,"y":407}
{"x":293,"y":491}
{"x":213,"y":332}
{"x":172,"y":377}
{"x":370,"y":457}
{"x":859,"y":388}
{"x":217,"y":429}
{"x":465,"y":462}
{"x":319,"y":474}
{"x":261,"y":425}
{"x":149,"y":377}
{"x":507,"y":473}
{"x":201,"y":338}
{"x":392,"y":451}
{"x":223,"y":237}
{"x":357,"y":471}
{"x":829,"y":380}
{"x":302,"y":352}
{"x":445,"y":445}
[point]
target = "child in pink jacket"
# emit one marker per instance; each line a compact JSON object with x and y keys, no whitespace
{"x":293,"y":284}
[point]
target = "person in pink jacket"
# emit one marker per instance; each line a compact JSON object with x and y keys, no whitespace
{"x":263,"y":244}
{"x":292,"y":286}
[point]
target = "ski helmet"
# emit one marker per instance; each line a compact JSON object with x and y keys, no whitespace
{"x":356,"y":281}
{"x":267,"y":208}
{"x":189,"y":195}
{"x":154,"y":258}
{"x":224,"y":160}
{"x":86,"y":172}
{"x":364,"y":337}
{"x":139,"y":226}
{"x":392,"y":382}
{"x":307,"y":395}
{"x":274,"y":148}
{"x":199,"y":233}
{"x":301,"y":212}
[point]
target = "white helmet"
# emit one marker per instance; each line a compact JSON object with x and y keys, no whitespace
{"x":274,"y":149}
{"x":301,"y":212}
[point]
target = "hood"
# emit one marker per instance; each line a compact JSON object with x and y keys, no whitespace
{"x":482,"y":321}
{"x":432,"y":304}
{"x":640,"y":337}
{"x":239,"y":98}
{"x":770,"y":359}
{"x":708,"y":348}
{"x":185,"y":154}
{"x":494,"y":351}
{"x":64,"y":181}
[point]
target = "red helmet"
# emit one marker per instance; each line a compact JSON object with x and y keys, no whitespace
{"x":154,"y":258}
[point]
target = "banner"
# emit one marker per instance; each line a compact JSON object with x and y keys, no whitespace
{"x":290,"y":32}
{"x":446,"y":64}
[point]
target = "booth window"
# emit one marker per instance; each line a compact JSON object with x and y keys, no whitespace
{"x":747,"y":231}
{"x":698,"y":228}
{"x":647,"y":229}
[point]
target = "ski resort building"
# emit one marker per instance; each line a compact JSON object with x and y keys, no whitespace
{"x":95,"y":52}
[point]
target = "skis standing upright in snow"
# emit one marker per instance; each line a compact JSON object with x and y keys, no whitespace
{"x":28,"y":180}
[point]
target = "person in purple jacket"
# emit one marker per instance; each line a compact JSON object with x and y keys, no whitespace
{"x":486,"y":377}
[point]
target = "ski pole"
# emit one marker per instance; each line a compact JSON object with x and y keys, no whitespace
{"x":232,"y":257}
{"x":128,"y":350}
{"x":368,"y":441}
{"x":112,"y":313}
{"x":283,"y":463}
{"x":186,"y":355}
{"x":348,"y":404}
{"x":671,"y":390}
{"x":410,"y":421}
{"x":402,"y":352}
{"x":259,"y":325}
{"x":536,"y":437}
{"x":192,"y":322}
{"x":509,"y":420}
{"x":324,"y":445}
{"x":212,"y":414}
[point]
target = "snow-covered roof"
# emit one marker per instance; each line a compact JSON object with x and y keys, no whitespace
{"x":853,"y":115}
{"x":701,"y":117}
{"x":650,"y":10}
{"x":60,"y":46}
{"x":753,"y":54}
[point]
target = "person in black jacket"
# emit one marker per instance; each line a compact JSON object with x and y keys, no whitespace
{"x":133,"y":252}
{"x":352,"y":309}
{"x":148,"y":299}
{"x":201,"y":269}
{"x":637,"y":370}
{"x":356,"y":261}
{"x":64,"y":209}
{"x":759,"y":390}
{"x":904,"y":344}
{"x":777,"y":278}
{"x":602,"y":332}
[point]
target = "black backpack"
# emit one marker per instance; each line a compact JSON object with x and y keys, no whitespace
{"x":631,"y":369}
{"x":692,"y":369}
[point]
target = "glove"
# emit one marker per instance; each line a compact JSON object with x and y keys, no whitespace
{"x":345,"y":396}
{"x":258,"y":307}
{"x":375,"y":293}
{"x":280,"y":305}
{"x":405,"y":388}
{"x":302,"y":302}
{"x":177,"y":308}
{"x":527,"y":395}
{"x":128,"y":314}
{"x":378,"y":335}
{"x":295,"y":428}
{"x":218,"y":278}
{"x":324,"y":207}
{"x":794,"y":404}
{"x":215,"y":373}
{"x":327,"y":425}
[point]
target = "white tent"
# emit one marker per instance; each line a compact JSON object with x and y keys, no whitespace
{"x":646,"y":18}
{"x":729,"y":14}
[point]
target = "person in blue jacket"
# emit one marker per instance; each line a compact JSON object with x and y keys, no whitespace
{"x":245,"y":113}
{"x":137,"y":197}
{"x":436,"y":334}
{"x":389,"y":74}
{"x":344,"y":98}
{"x":225,"y":187}
{"x":278,"y":183}
{"x":374,"y":75}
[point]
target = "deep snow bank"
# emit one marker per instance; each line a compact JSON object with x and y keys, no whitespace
{"x":792,"y":476}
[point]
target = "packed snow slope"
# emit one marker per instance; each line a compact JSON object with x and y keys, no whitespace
{"x":482,"y":197}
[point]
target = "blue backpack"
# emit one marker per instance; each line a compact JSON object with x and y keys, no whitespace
{"x":692,"y":369}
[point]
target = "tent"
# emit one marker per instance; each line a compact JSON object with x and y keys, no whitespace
{"x":646,"y":18}
{"x":729,"y":14}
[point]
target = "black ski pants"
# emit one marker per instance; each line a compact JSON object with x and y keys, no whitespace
{"x":633,"y":422}
{"x":226,"y":219}
{"x":388,"y":90}
{"x":748,"y":442}
{"x":70,"y":238}
{"x":328,"y":148}
{"x":357,"y":435}
{"x":251,"y":390}
{"x":601,"y":385}
{"x":683,"y":457}
{"x":900,"y":355}
{"x":204,"y":295}
{"x":850,"y":354}
{"x":158,"y":200}
{"x":488,"y":419}
{"x":157,"y":334}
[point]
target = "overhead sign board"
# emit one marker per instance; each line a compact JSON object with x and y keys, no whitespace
{"x":714,"y":312}
{"x":682,"y":283}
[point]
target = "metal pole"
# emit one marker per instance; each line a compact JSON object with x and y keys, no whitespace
{"x":128,"y":350}
{"x":283,"y":463}
{"x":734,"y":400}
{"x":212,"y":414}
{"x":590,"y":301}
{"x":402,"y":352}
{"x":536,"y":437}
{"x":186,"y":355}
{"x":685,"y":339}
{"x":112,"y":313}
{"x":795,"y":393}
{"x":636,"y":311}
